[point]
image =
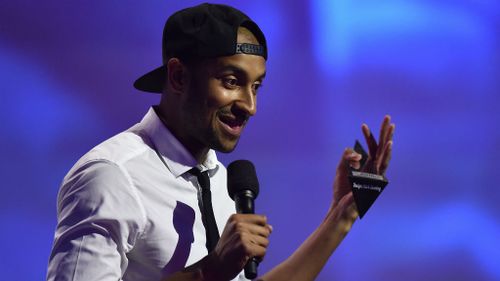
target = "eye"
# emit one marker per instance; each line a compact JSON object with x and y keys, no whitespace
{"x":257,"y":86}
{"x":229,"y":82}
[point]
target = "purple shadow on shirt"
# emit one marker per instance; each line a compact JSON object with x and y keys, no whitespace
{"x":183,"y":220}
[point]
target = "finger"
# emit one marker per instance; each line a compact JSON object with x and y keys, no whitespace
{"x":249,"y":218}
{"x":251,"y":223}
{"x":270,"y":227}
{"x":383,"y":159}
{"x":355,"y":164}
{"x":255,"y":246}
{"x":390,"y":133}
{"x":257,"y":251}
{"x":348,"y":156}
{"x":259,"y":240}
{"x":370,"y":140}
{"x":384,"y":128}
{"x":254,"y":229}
{"x":353,"y":159}
{"x":386,"y":158}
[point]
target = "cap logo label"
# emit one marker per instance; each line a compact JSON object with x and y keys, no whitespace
{"x":250,"y":49}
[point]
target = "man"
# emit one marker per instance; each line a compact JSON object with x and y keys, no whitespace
{"x":137,"y":207}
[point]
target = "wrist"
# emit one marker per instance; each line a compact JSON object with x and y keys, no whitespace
{"x":210,"y":270}
{"x":340,"y":218}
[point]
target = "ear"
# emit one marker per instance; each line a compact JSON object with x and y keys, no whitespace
{"x":176,"y":75}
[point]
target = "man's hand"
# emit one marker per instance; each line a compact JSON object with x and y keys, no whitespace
{"x":245,"y":236}
{"x":379,"y":155}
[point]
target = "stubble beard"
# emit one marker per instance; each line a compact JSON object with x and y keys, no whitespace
{"x":207,"y":133}
{"x":217,"y":139}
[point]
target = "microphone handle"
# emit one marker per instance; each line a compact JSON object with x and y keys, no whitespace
{"x":244,"y":202}
{"x":251,"y":269}
{"x":245,"y":205}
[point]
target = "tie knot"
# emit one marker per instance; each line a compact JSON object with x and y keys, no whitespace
{"x":203,"y":178}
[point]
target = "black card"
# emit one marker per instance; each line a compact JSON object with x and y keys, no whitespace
{"x":366,"y":187}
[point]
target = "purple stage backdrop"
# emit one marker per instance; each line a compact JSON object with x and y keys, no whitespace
{"x":66,"y":72}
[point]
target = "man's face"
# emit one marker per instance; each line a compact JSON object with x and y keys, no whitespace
{"x":221,"y":96}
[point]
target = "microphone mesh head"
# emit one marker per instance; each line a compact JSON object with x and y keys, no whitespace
{"x":241,"y":176}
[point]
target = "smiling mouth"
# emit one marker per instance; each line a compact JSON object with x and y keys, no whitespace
{"x":232,"y":124}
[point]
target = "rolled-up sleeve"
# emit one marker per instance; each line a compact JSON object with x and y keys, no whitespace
{"x":100,"y":217}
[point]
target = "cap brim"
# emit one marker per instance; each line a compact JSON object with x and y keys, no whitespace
{"x":153,"y":81}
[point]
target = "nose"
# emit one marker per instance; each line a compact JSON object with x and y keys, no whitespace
{"x":247,"y":101}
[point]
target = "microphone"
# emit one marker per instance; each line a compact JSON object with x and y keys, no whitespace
{"x":243,"y":188}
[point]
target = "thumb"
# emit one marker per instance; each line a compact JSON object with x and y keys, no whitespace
{"x":349,"y":158}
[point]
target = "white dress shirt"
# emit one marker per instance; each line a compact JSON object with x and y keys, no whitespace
{"x":128,"y":209}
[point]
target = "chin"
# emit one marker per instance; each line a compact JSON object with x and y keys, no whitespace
{"x":226,"y":149}
{"x":225,"y":146}
{"x":222,"y":142}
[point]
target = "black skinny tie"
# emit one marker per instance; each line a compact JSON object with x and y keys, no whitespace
{"x":207,"y":212}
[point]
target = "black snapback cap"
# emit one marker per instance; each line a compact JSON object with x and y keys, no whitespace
{"x":203,"y":31}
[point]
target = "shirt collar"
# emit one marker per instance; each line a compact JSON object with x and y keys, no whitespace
{"x":175,"y":156}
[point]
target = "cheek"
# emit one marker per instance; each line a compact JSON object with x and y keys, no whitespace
{"x":218,"y":96}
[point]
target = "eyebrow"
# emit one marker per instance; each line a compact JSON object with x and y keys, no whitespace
{"x":237,"y":70}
